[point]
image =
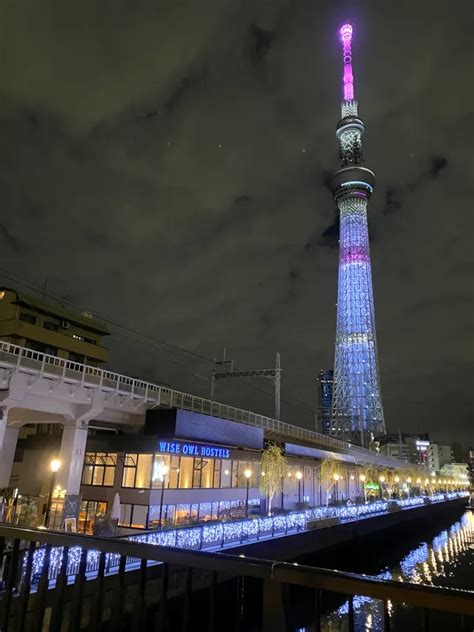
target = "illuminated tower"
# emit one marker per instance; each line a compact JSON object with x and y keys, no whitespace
{"x":357,"y":404}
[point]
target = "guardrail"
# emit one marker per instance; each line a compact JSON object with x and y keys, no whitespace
{"x":148,"y":394}
{"x":188,"y":590}
{"x":225,"y":534}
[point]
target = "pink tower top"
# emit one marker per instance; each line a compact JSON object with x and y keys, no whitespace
{"x":348,"y":79}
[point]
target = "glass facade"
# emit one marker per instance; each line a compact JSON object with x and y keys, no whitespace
{"x":99,"y":469}
{"x":148,"y":516}
{"x":89,"y":513}
{"x":141,"y":471}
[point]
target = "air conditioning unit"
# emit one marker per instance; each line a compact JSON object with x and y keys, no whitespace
{"x":65,"y":324}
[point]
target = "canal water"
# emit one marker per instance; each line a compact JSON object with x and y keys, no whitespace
{"x":444,"y":556}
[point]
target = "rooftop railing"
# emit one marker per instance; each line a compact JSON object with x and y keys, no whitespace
{"x":150,"y":395}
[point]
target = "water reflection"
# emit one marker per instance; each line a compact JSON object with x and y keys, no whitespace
{"x":446,"y":560}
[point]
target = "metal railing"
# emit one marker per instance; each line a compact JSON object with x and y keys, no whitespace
{"x":179,"y":591}
{"x":150,"y":395}
{"x":220,"y":535}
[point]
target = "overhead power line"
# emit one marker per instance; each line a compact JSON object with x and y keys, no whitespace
{"x":166,"y":347}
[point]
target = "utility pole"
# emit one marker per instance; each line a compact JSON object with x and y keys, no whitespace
{"x":224,"y":370}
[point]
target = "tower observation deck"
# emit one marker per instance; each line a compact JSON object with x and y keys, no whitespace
{"x":357,"y":404}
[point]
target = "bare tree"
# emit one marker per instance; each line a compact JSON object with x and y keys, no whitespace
{"x":274,"y":470}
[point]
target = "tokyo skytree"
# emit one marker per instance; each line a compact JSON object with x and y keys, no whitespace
{"x":357,"y":404}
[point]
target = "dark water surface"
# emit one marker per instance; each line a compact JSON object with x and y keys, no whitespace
{"x":444,"y":556}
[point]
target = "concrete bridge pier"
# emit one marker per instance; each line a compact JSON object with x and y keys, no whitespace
{"x":8,"y":441}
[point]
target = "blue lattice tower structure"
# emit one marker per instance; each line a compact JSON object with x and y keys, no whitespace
{"x":357,"y":404}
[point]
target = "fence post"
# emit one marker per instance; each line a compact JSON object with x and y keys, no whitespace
{"x":273,"y":608}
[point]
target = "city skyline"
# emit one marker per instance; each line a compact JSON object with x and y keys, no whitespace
{"x":179,"y":185}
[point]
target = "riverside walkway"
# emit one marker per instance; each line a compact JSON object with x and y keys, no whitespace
{"x":225,"y":535}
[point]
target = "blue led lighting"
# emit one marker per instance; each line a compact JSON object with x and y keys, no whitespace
{"x":218,"y":535}
{"x":358,"y":183}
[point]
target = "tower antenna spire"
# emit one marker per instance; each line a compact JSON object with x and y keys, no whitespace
{"x":348,"y":78}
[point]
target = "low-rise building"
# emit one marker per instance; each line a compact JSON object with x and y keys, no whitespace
{"x":439,"y":455}
{"x":51,"y":328}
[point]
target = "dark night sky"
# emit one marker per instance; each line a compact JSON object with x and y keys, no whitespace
{"x":164,"y":163}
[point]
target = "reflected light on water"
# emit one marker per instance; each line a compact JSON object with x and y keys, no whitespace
{"x":437,"y":559}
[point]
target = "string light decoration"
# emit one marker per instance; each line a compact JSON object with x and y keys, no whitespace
{"x":219,"y":535}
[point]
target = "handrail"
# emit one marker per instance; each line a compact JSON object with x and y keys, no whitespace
{"x":432,"y":597}
{"x":155,"y":395}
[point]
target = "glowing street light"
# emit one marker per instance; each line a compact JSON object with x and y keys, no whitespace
{"x":247,"y":474}
{"x":299,"y":476}
{"x":54,"y":466}
{"x":161,"y":471}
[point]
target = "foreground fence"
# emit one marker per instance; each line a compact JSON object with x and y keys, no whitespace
{"x":180,"y":590}
{"x":216,"y":535}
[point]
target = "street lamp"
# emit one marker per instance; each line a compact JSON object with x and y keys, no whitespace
{"x":336,"y":478}
{"x":299,"y":476}
{"x":247,"y":474}
{"x":161,"y":471}
{"x":381,"y":481}
{"x":54,"y":466}
{"x":362,"y":478}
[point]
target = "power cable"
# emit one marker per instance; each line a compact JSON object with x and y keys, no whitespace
{"x":146,"y":335}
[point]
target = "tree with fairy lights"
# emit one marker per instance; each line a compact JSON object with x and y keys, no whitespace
{"x":330,"y":474}
{"x":274,"y":470}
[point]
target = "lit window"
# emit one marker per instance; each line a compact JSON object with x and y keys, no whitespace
{"x":77,"y":337}
{"x":2,"y":295}
{"x":99,"y":469}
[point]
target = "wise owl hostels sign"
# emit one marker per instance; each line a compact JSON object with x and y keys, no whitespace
{"x":182,"y":448}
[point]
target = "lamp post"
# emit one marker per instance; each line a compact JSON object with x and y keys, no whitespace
{"x":381,"y":481}
{"x":54,"y":466}
{"x":162,"y":471}
{"x":247,"y":474}
{"x":299,"y":476}
{"x":362,"y":480}
{"x":336,"y":485}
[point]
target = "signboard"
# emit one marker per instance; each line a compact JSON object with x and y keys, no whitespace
{"x":372,"y":487}
{"x":193,"y":449}
{"x":72,"y":504}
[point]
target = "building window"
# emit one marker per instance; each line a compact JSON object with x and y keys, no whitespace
{"x":41,"y":347}
{"x":235,"y":474}
{"x":186,"y":472}
{"x":217,"y":473}
{"x":77,"y":337}
{"x":137,"y":471}
{"x":99,"y":469}
{"x":48,"y":324}
{"x":76,"y":357}
{"x":90,"y":512}
{"x":226,"y":469}
{"x":28,"y":318}
{"x":90,"y":341}
{"x":133,"y":516}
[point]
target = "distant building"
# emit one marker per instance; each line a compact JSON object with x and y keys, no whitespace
{"x":407,"y":447}
{"x":324,"y":403}
{"x":51,"y":328}
{"x":455,"y":470}
{"x":439,"y":455}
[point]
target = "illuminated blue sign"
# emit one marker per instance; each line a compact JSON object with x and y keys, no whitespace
{"x":193,"y":449}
